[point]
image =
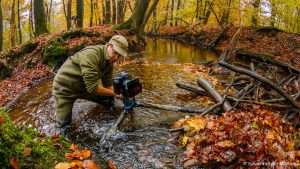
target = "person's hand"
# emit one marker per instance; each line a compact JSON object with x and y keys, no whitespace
{"x":118,"y":96}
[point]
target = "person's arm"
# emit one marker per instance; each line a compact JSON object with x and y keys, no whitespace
{"x":109,"y":91}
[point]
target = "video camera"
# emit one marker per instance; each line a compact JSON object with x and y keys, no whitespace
{"x":123,"y":84}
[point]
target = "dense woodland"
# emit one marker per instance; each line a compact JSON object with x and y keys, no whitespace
{"x":21,"y":20}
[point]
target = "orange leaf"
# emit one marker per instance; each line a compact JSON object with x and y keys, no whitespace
{"x":89,"y":164}
{"x":86,"y":153}
{"x":111,"y":165}
{"x":76,"y":163}
{"x":14,"y":163}
{"x":74,"y":147}
{"x":69,"y":155}
{"x":27,"y":151}
{"x":63,"y":166}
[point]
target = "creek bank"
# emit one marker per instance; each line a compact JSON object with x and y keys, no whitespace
{"x":283,"y":46}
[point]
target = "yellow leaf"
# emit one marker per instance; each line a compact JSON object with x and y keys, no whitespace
{"x":63,"y":166}
{"x":271,"y":134}
{"x":193,"y":126}
{"x":226,"y":143}
{"x":27,"y":151}
{"x":184,"y":140}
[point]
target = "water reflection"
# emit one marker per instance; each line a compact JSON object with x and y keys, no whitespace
{"x":161,"y":50}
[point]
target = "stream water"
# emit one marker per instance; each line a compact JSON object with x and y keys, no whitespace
{"x":143,"y":141}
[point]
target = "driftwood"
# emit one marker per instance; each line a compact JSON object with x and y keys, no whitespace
{"x":265,"y":58}
{"x":261,"y":79}
{"x":225,"y":56}
{"x":218,"y":38}
{"x":192,"y":88}
{"x":213,"y":93}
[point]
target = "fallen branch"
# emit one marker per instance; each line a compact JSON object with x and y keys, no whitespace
{"x":214,"y":106}
{"x":192,"y":88}
{"x":261,"y":79}
{"x":265,"y":58}
{"x":213,"y":93}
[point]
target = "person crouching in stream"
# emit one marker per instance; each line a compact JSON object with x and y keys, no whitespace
{"x":88,"y":74}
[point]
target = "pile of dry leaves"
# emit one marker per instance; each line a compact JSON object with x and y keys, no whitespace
{"x":239,"y":138}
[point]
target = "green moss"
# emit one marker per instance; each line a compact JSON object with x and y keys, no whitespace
{"x":54,"y":50}
{"x":78,"y":33}
{"x":267,"y":29}
{"x":29,"y":47}
{"x":13,"y":141}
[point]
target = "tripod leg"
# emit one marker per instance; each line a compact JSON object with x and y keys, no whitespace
{"x":115,"y":127}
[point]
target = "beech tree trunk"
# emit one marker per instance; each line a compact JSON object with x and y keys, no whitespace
{"x":39,"y":17}
{"x":120,"y":11}
{"x":114,"y":11}
{"x":80,"y":13}
{"x":107,"y":12}
{"x":1,"y":27}
{"x":255,"y":14}
{"x":12,"y":25}
{"x":92,"y":12}
{"x":19,"y":24}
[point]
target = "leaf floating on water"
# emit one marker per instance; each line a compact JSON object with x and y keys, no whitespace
{"x":111,"y":165}
{"x":89,"y":164}
{"x":63,"y":166}
{"x":27,"y":151}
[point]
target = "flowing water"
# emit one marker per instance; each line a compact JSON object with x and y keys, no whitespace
{"x":143,"y":140}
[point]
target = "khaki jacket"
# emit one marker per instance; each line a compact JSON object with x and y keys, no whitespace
{"x":83,"y":72}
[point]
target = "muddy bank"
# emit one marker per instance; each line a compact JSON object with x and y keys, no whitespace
{"x":41,"y":56}
{"x":283,"y":46}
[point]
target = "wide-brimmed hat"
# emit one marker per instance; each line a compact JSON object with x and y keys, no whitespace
{"x":120,"y":44}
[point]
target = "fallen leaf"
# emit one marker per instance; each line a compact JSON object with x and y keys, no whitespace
{"x":63,"y":166}
{"x":55,"y":137}
{"x":271,"y":134}
{"x":42,"y":135}
{"x":14,"y":163}
{"x":2,"y":120}
{"x":74,"y":147}
{"x":86,"y":153}
{"x":27,"y":151}
{"x":76,"y":163}
{"x":226,"y":143}
{"x":111,"y":165}
{"x":89,"y":164}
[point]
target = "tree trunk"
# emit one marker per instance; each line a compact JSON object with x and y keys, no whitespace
{"x":149,"y":12}
{"x":166,"y":16}
{"x":154,"y":21}
{"x":31,"y":29}
{"x":92,"y":12}
{"x":114,"y":11}
{"x":273,"y":14}
{"x":256,"y":5}
{"x":177,"y":9}
{"x":1,"y":27}
{"x":197,"y":10}
{"x":19,"y":23}
{"x":12,"y":25}
{"x":120,"y":11}
{"x":172,"y":13}
{"x":68,"y":13}
{"x":226,"y":12}
{"x":107,"y":12}
{"x":206,"y":13}
{"x":39,"y":17}
{"x":80,"y":13}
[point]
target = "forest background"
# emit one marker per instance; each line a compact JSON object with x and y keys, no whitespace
{"x":22,"y":20}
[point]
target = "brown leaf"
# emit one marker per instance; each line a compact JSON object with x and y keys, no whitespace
{"x":42,"y":135}
{"x":89,"y":164}
{"x":111,"y":165}
{"x":2,"y":120}
{"x":63,"y":166}
{"x":14,"y":163}
{"x":27,"y":151}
